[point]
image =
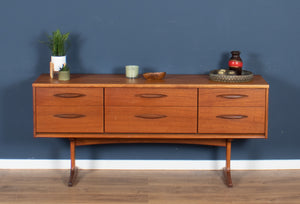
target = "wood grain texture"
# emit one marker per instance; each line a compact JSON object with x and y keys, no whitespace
{"x":209,"y":122}
{"x":59,"y":119}
{"x":150,"y":97}
{"x":119,"y":119}
{"x":69,"y":96}
{"x":267,"y":113}
{"x":151,"y":187}
{"x":232,"y":97}
{"x":171,"y":81}
{"x":34,"y":111}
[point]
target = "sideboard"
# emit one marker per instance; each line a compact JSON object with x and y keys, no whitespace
{"x":189,"y":109}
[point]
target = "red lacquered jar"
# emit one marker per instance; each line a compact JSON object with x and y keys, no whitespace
{"x":235,"y":63}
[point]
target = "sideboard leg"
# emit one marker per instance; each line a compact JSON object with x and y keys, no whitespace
{"x":227,"y":171}
{"x":73,"y":166}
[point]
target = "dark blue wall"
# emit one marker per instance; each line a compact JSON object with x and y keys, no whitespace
{"x":176,"y":36}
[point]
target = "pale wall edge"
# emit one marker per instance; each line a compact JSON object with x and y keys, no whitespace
{"x":150,"y":164}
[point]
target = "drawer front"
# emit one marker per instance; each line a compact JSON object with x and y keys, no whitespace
{"x":150,"y":97}
{"x":69,"y":96}
{"x":150,"y":119}
{"x":231,"y":120}
{"x":79,"y":119}
{"x":232,"y":97}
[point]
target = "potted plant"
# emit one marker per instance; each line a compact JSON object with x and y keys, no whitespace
{"x":58,"y":44}
{"x":64,"y":73}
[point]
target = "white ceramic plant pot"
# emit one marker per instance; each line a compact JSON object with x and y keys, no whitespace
{"x":58,"y":62}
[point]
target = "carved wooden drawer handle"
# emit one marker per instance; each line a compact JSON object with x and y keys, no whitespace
{"x":232,"y":116}
{"x":232,"y":96}
{"x":151,"y":95}
{"x":150,"y":116}
{"x":69,"y":116}
{"x":69,"y":95}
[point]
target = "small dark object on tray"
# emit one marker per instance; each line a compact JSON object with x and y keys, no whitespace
{"x":231,"y":78}
{"x":154,"y":75}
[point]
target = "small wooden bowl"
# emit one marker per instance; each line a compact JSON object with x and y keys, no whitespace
{"x":154,"y":75}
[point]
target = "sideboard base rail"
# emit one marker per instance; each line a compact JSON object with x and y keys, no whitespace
{"x":115,"y":136}
{"x":210,"y":142}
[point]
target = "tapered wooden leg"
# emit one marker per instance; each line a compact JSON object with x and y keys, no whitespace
{"x":73,"y":166}
{"x":227,"y":171}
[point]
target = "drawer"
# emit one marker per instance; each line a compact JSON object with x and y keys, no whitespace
{"x":231,"y":120}
{"x":232,"y":97}
{"x":150,"y":119}
{"x":150,"y":97}
{"x":79,"y":119}
{"x":69,"y":96}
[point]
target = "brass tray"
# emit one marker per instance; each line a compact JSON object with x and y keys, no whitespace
{"x":245,"y":77}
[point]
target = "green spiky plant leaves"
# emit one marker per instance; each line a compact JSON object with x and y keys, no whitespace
{"x":65,"y":68}
{"x":58,"y":43}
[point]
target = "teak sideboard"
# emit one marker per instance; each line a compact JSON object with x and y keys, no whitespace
{"x":189,"y":109}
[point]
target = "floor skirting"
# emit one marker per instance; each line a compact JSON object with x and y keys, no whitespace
{"x":149,"y":164}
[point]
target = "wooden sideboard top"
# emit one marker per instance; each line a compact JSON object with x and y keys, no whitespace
{"x":170,"y":81}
